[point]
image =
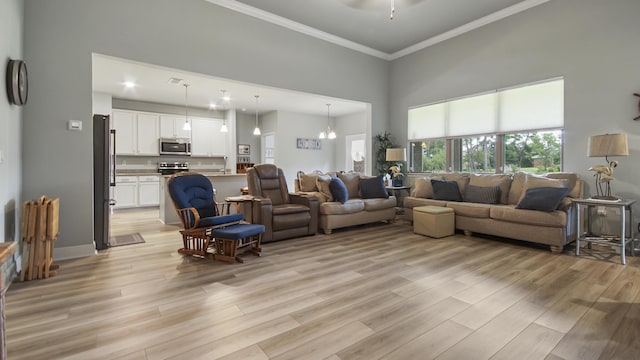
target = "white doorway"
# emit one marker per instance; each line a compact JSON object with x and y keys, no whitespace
{"x":355,"y":153}
{"x":268,"y":148}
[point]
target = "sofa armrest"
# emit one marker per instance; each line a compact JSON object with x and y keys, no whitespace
{"x":314,"y":207}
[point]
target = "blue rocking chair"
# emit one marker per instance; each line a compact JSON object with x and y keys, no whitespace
{"x":193,"y":198}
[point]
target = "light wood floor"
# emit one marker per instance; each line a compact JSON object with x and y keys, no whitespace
{"x":372,"y":292}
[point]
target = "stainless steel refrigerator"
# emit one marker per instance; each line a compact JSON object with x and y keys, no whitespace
{"x":104,"y":178}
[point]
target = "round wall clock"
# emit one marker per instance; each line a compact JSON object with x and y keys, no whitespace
{"x":17,"y":84}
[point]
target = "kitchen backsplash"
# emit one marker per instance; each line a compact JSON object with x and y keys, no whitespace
{"x":151,"y":162}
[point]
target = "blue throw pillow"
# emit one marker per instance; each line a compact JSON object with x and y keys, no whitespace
{"x":338,"y":190}
{"x":542,"y":198}
{"x":371,"y":188}
{"x":446,"y":190}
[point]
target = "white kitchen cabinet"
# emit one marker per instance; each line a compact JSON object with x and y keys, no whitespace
{"x":136,"y":133}
{"x":207,"y":140}
{"x":124,"y":122}
{"x":171,"y":126}
{"x":125,"y":192}
{"x":148,"y":127}
{"x":149,"y":190}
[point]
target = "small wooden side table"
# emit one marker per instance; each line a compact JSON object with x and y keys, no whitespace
{"x":239,"y":200}
{"x":623,"y":206}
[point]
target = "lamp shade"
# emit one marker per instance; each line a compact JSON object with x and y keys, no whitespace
{"x":607,"y":145}
{"x":396,"y":154}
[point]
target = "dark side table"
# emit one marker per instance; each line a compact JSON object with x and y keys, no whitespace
{"x":400,"y":192}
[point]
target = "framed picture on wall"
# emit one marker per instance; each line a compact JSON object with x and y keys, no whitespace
{"x":244,"y":149}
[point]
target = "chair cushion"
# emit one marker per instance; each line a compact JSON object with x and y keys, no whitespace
{"x":373,"y":187}
{"x":236,"y":232}
{"x":446,"y":190}
{"x":219,"y":220}
{"x":338,"y":190}
{"x":193,"y":191}
{"x":286,"y":209}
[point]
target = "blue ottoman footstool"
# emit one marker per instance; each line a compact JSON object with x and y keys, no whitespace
{"x":231,"y":238}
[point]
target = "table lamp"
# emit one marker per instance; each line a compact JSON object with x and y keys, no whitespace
{"x":606,"y":145}
{"x":397,"y":155}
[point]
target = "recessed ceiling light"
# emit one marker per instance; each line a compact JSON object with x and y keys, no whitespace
{"x":129,"y":84}
{"x":213,"y":106}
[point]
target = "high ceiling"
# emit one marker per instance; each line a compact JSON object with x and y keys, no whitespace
{"x":362,"y":25}
{"x":366,"y":24}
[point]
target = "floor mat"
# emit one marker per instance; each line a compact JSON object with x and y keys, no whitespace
{"x":128,"y":239}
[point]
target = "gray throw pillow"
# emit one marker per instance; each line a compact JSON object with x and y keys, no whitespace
{"x":482,"y":194}
{"x":446,"y":190}
{"x":542,"y":198}
{"x":371,"y":188}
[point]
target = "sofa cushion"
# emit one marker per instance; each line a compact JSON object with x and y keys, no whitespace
{"x":352,"y":181}
{"x":338,"y":190}
{"x":533,"y":181}
{"x":379,"y":203}
{"x":482,"y":194}
{"x":308,"y":182}
{"x":318,"y":195}
{"x":515,"y":190}
{"x":543,"y":198}
{"x":461,"y":178}
{"x":446,"y":190}
{"x":410,"y":202}
{"x":322,"y":183}
{"x":422,"y":187}
{"x":474,"y":210}
{"x":373,"y":187}
{"x":530,"y":217}
{"x":349,"y":207}
{"x":503,"y":181}
{"x":572,"y":182}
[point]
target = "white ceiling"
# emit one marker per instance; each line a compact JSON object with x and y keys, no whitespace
{"x":362,"y":25}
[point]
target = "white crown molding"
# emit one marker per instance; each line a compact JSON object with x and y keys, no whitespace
{"x":308,"y":30}
{"x":498,"y":15}
{"x":296,"y":26}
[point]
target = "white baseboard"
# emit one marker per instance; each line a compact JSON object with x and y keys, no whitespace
{"x":73,"y":252}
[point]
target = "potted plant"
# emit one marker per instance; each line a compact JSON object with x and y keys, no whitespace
{"x":382,"y":142}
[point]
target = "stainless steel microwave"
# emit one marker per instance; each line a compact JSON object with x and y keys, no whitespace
{"x":177,"y":146}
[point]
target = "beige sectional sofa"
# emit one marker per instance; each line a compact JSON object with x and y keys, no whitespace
{"x":355,"y":211}
{"x":554,"y":228}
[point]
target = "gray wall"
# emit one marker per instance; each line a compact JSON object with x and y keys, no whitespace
{"x":11,"y":47}
{"x":592,"y":43}
{"x":245,"y":123}
{"x":191,"y":35}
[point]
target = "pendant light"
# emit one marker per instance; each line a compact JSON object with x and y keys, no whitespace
{"x":223,"y":128}
{"x":256,"y":131}
{"x":330,"y":133}
{"x":186,"y":126}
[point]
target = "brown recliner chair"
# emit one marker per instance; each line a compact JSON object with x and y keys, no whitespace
{"x":285,"y":215}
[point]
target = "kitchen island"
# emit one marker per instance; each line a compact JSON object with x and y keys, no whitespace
{"x":225,"y":185}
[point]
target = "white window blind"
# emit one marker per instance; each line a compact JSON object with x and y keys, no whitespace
{"x":530,"y":107}
{"x":472,"y":115}
{"x":539,"y":106}
{"x":427,"y":121}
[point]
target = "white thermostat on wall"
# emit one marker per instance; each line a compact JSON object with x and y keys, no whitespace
{"x":75,"y":125}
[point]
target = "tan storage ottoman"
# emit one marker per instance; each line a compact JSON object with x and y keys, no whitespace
{"x":433,"y":221}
